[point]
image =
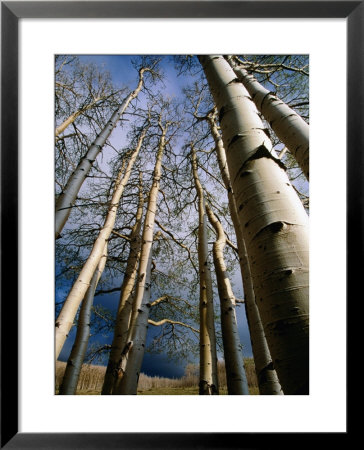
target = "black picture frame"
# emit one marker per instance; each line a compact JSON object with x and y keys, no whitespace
{"x":11,"y":12}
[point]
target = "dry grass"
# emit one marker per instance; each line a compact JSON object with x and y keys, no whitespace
{"x":91,"y":379}
{"x":187,"y":391}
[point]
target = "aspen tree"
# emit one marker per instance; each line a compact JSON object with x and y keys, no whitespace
{"x":126,"y":298}
{"x":208,"y":357}
{"x":289,"y":126}
{"x":274,"y":224}
{"x":268,"y":382}
{"x":77,"y":356}
{"x":234,"y":365}
{"x":67,"y":198}
{"x":68,"y":312}
{"x":267,"y":376}
{"x":131,"y":357}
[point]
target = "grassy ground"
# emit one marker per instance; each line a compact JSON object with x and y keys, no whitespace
{"x":185,"y":391}
{"x":91,"y":379}
{"x":169,"y":391}
{"x":173,"y":391}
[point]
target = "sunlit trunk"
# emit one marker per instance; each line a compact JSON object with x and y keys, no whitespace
{"x":267,"y":376}
{"x":131,"y":357}
{"x":67,"y":122}
{"x":274,"y":224}
{"x":126,"y":300}
{"x":65,"y":319}
{"x":77,"y":356}
{"x":289,"y":126}
{"x":70,"y":119}
{"x":208,"y":357}
{"x":234,"y":364}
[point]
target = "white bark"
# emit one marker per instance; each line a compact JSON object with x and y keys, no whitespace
{"x":289,"y":126}
{"x":67,"y":198}
{"x":208,"y":356}
{"x":74,"y":116}
{"x":126,"y":300}
{"x":65,"y":319}
{"x":77,"y":356}
{"x":234,"y":363}
{"x":274,"y":224}
{"x":67,"y":122}
{"x":131,"y":357}
{"x":267,"y":377}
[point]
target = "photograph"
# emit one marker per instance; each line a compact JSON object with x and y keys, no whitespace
{"x":181,"y":224}
{"x":160,"y":236}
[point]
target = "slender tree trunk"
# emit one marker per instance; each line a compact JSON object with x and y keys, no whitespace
{"x":65,"y":319}
{"x":274,"y":224}
{"x":267,"y":377}
{"x":208,"y":356}
{"x":77,"y":356}
{"x":67,"y":122}
{"x":131,"y":357}
{"x":74,"y":116}
{"x":289,"y":126}
{"x":234,"y":363}
{"x":67,"y":198}
{"x":126,"y":300}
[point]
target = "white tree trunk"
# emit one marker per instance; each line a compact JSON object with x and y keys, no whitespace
{"x":289,"y":126}
{"x":208,"y":356}
{"x":126,"y":300}
{"x":67,"y":198}
{"x":274,"y":224}
{"x":67,"y":122}
{"x":77,"y":356}
{"x":267,"y":377}
{"x":234,"y":363}
{"x":131,"y":357}
{"x":65,"y":319}
{"x":74,"y":116}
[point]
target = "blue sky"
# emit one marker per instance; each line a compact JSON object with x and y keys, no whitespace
{"x":123,"y":73}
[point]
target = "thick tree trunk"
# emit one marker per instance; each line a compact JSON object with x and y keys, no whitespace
{"x":77,"y":356}
{"x":274,"y":224}
{"x":208,"y":356}
{"x":126,"y":300}
{"x":267,"y":377}
{"x":67,"y":198}
{"x":131,"y":357}
{"x":234,"y":363}
{"x":65,"y":319}
{"x":289,"y":126}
